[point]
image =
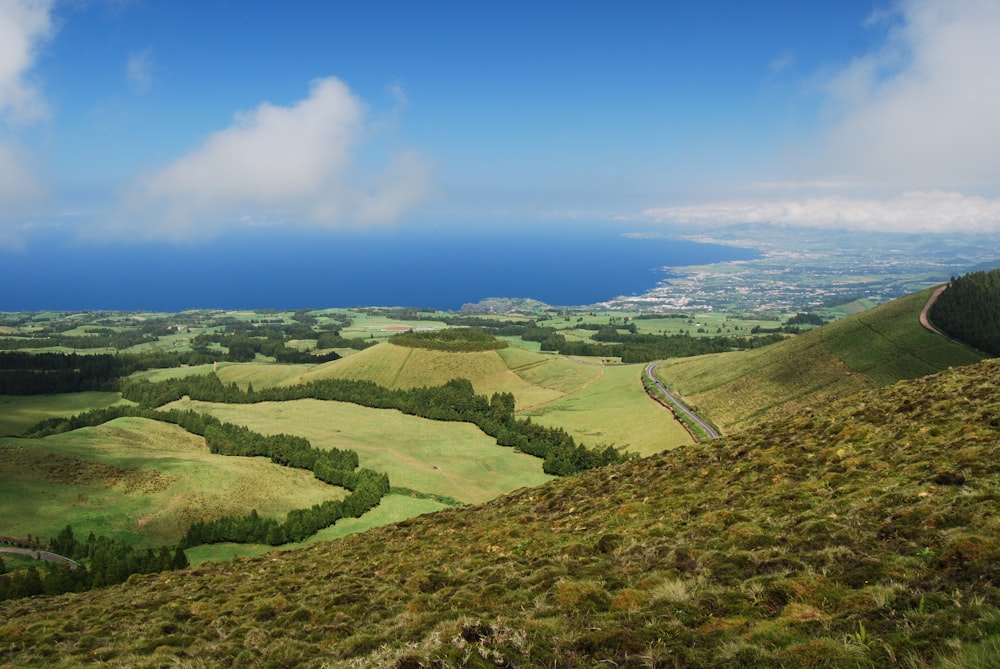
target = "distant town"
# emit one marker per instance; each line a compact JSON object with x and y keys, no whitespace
{"x":800,"y":271}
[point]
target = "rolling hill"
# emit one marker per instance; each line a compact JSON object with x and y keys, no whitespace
{"x":868,"y":350}
{"x":863,"y":533}
{"x":595,"y":403}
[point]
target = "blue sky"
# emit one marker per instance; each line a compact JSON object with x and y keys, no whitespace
{"x":159,"y":121}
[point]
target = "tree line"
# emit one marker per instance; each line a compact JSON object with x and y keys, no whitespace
{"x":333,"y":466}
{"x":969,"y":310}
{"x":101,"y":561}
{"x":455,"y":400}
{"x":466,"y":340}
{"x":23,"y":373}
{"x":632,"y":348}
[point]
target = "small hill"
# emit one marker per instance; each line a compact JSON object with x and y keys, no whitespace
{"x":531,"y":377}
{"x":871,"y":349}
{"x":596,"y":404}
{"x":140,"y":480}
{"x":861,"y":534}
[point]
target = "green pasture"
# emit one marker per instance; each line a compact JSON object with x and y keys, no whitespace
{"x":139,"y":480}
{"x":888,"y":344}
{"x":19,"y":412}
{"x":444,"y":458}
{"x":870,"y":349}
{"x":392,"y":509}
{"x":375,"y":326}
{"x":697,"y":324}
{"x":742,"y":386}
{"x":260,"y":374}
{"x":614,"y":409}
{"x":155,"y":375}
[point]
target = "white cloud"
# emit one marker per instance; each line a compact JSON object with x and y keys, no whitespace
{"x":917,"y":116}
{"x":281,"y":166}
{"x":18,"y":186}
{"x":916,"y":212}
{"x":24,"y":24}
{"x":782,"y":63}
{"x":139,"y":70}
{"x":921,"y":111}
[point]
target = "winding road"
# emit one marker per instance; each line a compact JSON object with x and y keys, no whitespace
{"x":44,"y":556}
{"x":709,"y":430}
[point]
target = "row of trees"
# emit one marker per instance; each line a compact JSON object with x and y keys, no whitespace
{"x":334,"y":466}
{"x":368,"y":489}
{"x":465,"y":340}
{"x":101,"y":561}
{"x":24,"y":373}
{"x":455,"y":400}
{"x":969,"y":310}
{"x":646,"y":347}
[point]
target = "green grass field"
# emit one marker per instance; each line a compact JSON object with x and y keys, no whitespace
{"x":450,"y":459}
{"x":870,"y":349}
{"x":19,"y":412}
{"x":613,"y":409}
{"x":138,"y":480}
{"x":392,"y":509}
{"x":531,"y":377}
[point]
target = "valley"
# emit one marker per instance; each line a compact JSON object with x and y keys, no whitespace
{"x":842,"y":514}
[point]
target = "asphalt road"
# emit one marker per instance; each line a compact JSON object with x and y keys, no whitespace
{"x":709,"y":430}
{"x":45,"y":556}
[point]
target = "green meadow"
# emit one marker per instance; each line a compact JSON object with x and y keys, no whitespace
{"x":393,"y":508}
{"x":19,"y":412}
{"x":441,"y":458}
{"x":139,"y":480}
{"x":613,"y":408}
{"x":867,"y":350}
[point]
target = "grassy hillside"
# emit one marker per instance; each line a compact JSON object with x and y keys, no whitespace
{"x":138,"y":480}
{"x":19,"y":412}
{"x":531,"y":377}
{"x":862,"y":534}
{"x":442,"y":458}
{"x":613,"y":409}
{"x":867,"y":350}
{"x":595,"y":403}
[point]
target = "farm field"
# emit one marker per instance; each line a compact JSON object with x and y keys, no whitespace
{"x":450,"y":459}
{"x":19,"y":412}
{"x":139,"y":480}
{"x":613,"y":409}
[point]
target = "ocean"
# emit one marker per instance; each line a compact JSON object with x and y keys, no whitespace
{"x":262,"y":269}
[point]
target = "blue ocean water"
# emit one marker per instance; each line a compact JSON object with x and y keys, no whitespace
{"x":319,"y":270}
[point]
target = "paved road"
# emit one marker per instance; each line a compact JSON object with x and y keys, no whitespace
{"x":45,"y":556}
{"x":650,"y":369}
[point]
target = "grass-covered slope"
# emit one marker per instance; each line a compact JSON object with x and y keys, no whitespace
{"x":868,"y":350}
{"x":862,"y":534}
{"x":530,"y":377}
{"x":449,"y":459}
{"x":139,"y":480}
{"x":595,"y":403}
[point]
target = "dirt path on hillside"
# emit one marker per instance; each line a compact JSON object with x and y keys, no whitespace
{"x":927,"y":307}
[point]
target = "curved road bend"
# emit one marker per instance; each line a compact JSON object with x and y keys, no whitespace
{"x":44,"y":556}
{"x":712,"y":433}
